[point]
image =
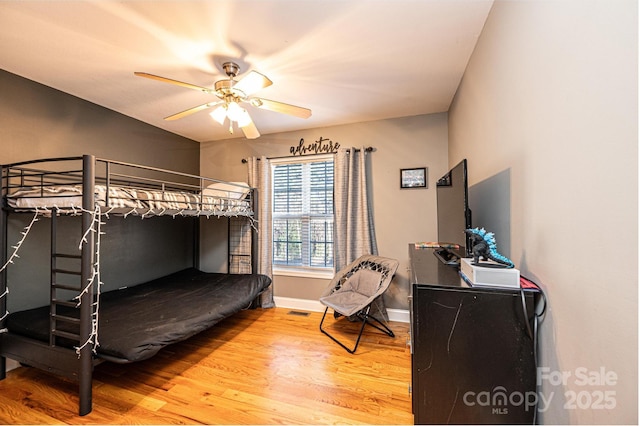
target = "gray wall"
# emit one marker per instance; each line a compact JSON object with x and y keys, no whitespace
{"x":132,"y":251}
{"x":547,"y":116}
{"x":401,"y":216}
{"x":39,"y":122}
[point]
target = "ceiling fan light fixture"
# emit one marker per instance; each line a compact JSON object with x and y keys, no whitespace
{"x":219,"y":114}
{"x":234,"y":111}
{"x":244,"y":119}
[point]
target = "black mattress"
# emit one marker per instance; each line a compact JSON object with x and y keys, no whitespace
{"x":136,"y":322}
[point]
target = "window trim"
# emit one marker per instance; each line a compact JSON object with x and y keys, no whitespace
{"x":302,"y":271}
{"x":302,"y":159}
{"x":297,"y":271}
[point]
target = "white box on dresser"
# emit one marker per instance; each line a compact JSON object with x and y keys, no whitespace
{"x":492,"y":275}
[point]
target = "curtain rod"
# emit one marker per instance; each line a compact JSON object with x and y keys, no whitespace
{"x":367,"y":149}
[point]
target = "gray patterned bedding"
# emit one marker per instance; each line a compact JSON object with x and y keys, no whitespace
{"x":215,"y":199}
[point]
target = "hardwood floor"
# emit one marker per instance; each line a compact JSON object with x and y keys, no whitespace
{"x":258,"y":367}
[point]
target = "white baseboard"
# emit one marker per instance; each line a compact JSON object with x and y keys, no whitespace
{"x":302,"y":304}
{"x":11,"y":364}
{"x":399,"y":315}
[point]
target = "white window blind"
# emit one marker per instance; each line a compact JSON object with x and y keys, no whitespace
{"x":303,"y":213}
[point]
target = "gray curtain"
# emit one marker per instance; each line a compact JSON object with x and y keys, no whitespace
{"x":260,"y":178}
{"x":354,"y":233}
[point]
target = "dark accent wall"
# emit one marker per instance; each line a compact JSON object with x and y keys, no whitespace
{"x":37,"y":121}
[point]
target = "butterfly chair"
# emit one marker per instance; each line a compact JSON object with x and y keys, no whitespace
{"x":354,"y":290}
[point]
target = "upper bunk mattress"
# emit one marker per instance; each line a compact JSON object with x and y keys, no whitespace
{"x":118,"y":199}
{"x":136,"y":322}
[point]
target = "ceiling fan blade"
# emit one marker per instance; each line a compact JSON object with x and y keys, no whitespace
{"x":250,"y":131}
{"x":252,"y":82}
{"x":168,"y":80}
{"x":281,"y":107}
{"x":191,"y":111}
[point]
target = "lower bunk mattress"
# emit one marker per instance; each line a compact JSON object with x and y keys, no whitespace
{"x":134,"y":323}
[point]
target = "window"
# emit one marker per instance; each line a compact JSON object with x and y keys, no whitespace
{"x":303,"y":213}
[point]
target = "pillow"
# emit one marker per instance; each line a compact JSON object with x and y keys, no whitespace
{"x":234,"y":190}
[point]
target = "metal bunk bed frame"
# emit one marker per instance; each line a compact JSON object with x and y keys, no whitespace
{"x":60,"y":360}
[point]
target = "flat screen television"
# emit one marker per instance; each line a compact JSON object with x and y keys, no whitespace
{"x":454,"y":214}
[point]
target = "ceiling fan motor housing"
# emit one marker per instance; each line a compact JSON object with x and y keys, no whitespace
{"x":224,"y":89}
{"x":231,"y":69}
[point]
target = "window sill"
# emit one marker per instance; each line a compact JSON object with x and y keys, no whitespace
{"x":304,"y":273}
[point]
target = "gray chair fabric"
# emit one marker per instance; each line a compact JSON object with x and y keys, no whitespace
{"x":354,"y":293}
{"x":357,"y":285}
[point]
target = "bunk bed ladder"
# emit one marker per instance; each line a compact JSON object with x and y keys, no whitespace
{"x":59,"y":287}
{"x":239,"y":246}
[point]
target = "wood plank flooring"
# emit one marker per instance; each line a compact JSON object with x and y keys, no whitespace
{"x":263,"y":366}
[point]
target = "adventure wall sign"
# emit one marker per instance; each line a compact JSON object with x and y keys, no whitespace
{"x":321,"y":146}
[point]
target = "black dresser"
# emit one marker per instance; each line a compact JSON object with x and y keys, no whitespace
{"x":472,"y":351}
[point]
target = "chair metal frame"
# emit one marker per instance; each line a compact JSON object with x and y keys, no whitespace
{"x":364,"y":316}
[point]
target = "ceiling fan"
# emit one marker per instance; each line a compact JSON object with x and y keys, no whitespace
{"x":231,"y":94}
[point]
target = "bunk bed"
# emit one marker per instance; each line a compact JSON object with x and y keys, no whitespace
{"x":83,"y":326}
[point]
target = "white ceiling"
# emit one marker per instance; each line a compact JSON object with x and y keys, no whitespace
{"x":346,"y":60}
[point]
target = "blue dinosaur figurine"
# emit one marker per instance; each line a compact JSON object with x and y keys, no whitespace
{"x":484,"y":246}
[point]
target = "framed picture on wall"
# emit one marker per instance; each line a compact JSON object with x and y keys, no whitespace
{"x":413,"y":178}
